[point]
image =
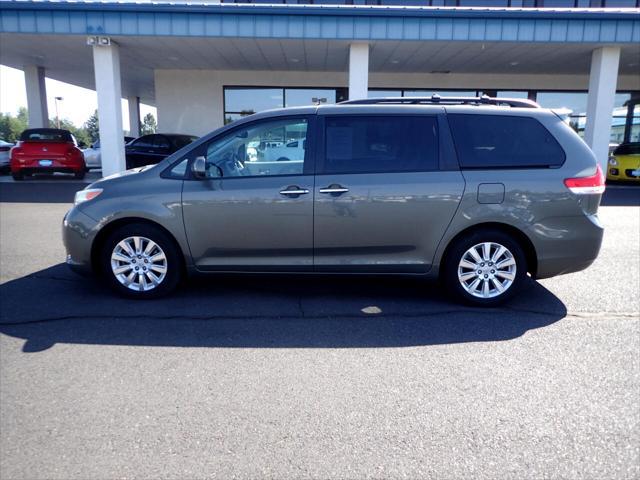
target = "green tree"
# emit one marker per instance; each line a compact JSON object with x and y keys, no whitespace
{"x":92,"y":127}
{"x":79,"y":132}
{"x":12,"y":126}
{"x":148,"y":125}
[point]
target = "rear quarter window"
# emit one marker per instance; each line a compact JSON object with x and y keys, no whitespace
{"x":504,"y":141}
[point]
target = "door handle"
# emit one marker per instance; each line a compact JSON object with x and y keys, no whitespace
{"x":334,"y":189}
{"x":294,"y":191}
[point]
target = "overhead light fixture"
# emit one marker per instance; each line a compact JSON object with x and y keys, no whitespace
{"x":173,"y":59}
{"x":394,"y":61}
{"x":294,"y":60}
{"x":444,"y":72}
{"x":98,"y":41}
{"x":513,"y":64}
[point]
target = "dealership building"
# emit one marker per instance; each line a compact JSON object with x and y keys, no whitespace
{"x":203,"y":64}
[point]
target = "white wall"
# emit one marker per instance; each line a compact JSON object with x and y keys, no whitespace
{"x":191,"y":101}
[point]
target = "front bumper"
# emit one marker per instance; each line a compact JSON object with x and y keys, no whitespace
{"x":78,"y":234}
{"x":627,"y":169}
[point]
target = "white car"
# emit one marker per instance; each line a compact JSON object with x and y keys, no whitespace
{"x":293,"y":150}
{"x":5,"y":148}
{"x":92,"y":154}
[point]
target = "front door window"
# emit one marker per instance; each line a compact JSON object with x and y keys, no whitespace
{"x":267,"y":148}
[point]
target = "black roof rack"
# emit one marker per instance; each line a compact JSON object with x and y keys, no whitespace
{"x":438,"y":100}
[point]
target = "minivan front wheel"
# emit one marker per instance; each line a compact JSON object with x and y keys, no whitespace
{"x":140,"y":261}
{"x":485,"y":269}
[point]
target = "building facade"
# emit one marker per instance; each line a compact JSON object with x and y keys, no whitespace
{"x":205,"y":64}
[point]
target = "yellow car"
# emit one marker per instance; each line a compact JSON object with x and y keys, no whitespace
{"x":624,"y":163}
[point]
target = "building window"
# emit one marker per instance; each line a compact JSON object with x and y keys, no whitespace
{"x":242,"y":101}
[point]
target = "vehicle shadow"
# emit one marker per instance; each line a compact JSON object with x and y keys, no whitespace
{"x":619,"y":194}
{"x":55,"y":306}
{"x":58,"y":190}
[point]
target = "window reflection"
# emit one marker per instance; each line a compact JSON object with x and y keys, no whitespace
{"x":442,"y":93}
{"x":251,"y":100}
{"x":384,"y":93}
{"x":296,"y":97}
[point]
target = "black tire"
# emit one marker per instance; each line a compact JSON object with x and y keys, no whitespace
{"x":455,"y":253}
{"x":174,"y":263}
{"x":80,"y":175}
{"x":17,"y":176}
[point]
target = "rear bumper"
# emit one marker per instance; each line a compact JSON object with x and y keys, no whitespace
{"x":566,"y":244}
{"x":32,"y":170}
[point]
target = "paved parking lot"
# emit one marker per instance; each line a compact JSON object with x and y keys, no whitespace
{"x":286,"y":376}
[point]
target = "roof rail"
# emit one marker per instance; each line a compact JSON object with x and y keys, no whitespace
{"x":438,"y":100}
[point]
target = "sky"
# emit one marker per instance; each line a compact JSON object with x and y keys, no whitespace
{"x":77,"y":103}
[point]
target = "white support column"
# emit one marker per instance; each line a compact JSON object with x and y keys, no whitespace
{"x":134,"y":116}
{"x":36,"y":96}
{"x":358,"y":70}
{"x":602,"y":90}
{"x":106,"y":65}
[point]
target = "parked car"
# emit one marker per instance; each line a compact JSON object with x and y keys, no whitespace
{"x":476,"y":196}
{"x":293,"y":149}
{"x":624,"y":163}
{"x":5,"y":147}
{"x":151,"y":149}
{"x":92,"y":154}
{"x":46,"y":150}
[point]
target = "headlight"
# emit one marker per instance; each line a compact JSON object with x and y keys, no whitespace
{"x":613,"y":162}
{"x":85,"y":195}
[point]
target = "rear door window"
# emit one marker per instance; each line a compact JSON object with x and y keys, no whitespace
{"x":379,"y":144}
{"x":504,"y":141}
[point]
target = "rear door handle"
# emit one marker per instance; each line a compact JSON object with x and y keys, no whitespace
{"x":334,"y":189}
{"x":294,"y":191}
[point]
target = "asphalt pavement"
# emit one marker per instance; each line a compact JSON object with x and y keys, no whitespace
{"x":313,"y":377}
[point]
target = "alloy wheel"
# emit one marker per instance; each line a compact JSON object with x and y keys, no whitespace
{"x":139,"y":263}
{"x":487,"y":270}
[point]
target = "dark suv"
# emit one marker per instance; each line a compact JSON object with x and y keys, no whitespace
{"x":475,"y":191}
{"x":153,"y":148}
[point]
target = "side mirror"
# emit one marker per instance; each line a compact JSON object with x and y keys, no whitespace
{"x":199,"y":167}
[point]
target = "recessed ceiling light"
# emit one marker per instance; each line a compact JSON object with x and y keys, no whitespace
{"x":173,"y":59}
{"x":294,"y":60}
{"x":395,"y":61}
{"x":513,"y":64}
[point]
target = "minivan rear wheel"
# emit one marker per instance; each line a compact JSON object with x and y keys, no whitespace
{"x":485,"y":268}
{"x":140,"y":261}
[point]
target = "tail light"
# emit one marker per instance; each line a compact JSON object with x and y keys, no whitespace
{"x":15,"y":151}
{"x":593,"y":184}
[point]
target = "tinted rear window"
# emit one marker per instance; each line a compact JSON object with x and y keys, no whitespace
{"x":46,"y":135}
{"x":501,"y":141}
{"x":361,"y":144}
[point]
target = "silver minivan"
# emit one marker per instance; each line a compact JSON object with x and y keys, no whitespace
{"x":478,"y":192}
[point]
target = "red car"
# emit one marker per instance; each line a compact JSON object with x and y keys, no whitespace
{"x":46,"y":150}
